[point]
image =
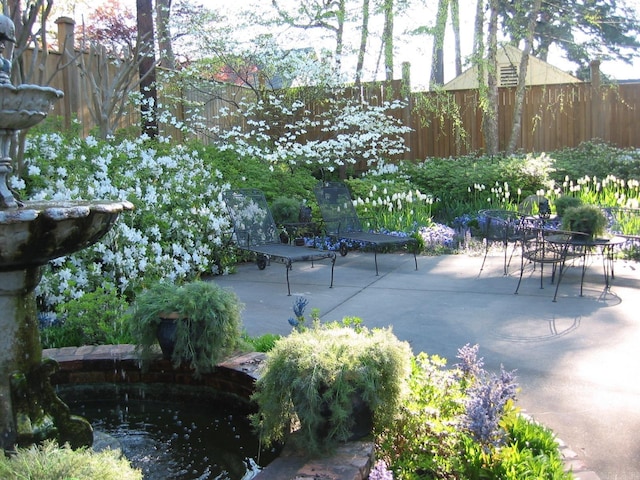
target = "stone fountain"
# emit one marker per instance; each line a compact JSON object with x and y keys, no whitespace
{"x":31,"y":234}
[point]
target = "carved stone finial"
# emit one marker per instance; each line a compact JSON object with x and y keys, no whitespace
{"x":7,"y":29}
{"x":7,"y":34}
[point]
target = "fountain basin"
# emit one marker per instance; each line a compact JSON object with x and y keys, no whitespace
{"x":168,"y":423}
{"x":24,"y":106}
{"x":41,"y":231}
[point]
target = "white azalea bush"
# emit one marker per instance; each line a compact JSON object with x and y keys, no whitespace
{"x":177,"y":230}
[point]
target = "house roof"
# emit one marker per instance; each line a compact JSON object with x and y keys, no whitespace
{"x":539,"y":72}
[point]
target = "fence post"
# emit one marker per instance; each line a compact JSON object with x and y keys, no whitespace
{"x":405,"y":91}
{"x":66,"y":32}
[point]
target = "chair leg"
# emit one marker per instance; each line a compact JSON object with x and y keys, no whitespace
{"x":505,"y":246}
{"x":486,"y":252}
{"x":375,"y":259}
{"x":560,"y":273}
{"x":584,"y":268}
{"x":333,"y":263}
{"x":520,"y":279}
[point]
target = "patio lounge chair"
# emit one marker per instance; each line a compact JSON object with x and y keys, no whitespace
{"x":256,"y":232}
{"x":341,"y":222}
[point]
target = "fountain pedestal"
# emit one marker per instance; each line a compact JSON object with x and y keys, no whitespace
{"x":30,"y":411}
{"x":32,"y":234}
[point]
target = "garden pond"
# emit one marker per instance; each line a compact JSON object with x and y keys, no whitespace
{"x":168,"y":435}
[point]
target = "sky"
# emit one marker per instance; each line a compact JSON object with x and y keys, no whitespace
{"x":416,"y":50}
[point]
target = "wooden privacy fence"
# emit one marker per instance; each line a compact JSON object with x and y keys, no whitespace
{"x":553,"y":117}
{"x":443,"y":125}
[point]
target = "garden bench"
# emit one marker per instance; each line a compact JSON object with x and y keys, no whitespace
{"x":255,"y":231}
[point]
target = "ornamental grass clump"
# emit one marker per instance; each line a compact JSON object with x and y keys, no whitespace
{"x":51,"y":462}
{"x":320,"y":381}
{"x":588,"y":219}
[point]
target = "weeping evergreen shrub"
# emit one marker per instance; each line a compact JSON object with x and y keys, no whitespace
{"x":208,"y":323}
{"x":317,"y":382}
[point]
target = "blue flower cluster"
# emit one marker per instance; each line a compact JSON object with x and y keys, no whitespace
{"x":438,"y":235}
{"x":470,"y":365}
{"x":487,"y":398}
{"x":463,"y":222}
{"x":299,"y":306}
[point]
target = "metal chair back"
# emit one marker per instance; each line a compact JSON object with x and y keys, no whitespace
{"x":337,"y":209}
{"x":253,"y":223}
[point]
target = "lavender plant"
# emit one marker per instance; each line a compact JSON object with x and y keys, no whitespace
{"x":487,"y":399}
{"x":298,"y":320}
{"x":470,"y":365}
{"x":380,"y":471}
{"x":488,"y":395}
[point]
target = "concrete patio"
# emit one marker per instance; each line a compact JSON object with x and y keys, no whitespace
{"x":577,"y":360}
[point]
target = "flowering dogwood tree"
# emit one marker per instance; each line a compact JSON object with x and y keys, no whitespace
{"x":295,"y":110}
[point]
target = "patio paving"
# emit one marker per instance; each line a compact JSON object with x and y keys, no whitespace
{"x":577,"y":360}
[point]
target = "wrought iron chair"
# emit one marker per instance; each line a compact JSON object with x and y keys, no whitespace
{"x":500,"y":226}
{"x":542,"y":247}
{"x":255,"y":231}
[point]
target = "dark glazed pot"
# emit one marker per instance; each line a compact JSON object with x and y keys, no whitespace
{"x":166,"y":334}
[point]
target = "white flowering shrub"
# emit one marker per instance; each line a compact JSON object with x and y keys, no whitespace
{"x":347,"y":130}
{"x":177,"y":230}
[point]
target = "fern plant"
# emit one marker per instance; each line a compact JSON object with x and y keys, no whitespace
{"x":207,"y":322}
{"x":323,"y":378}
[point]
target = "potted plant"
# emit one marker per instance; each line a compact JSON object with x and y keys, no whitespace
{"x":566,"y":201}
{"x":587,"y":219}
{"x":330,"y":383}
{"x":197,"y":322}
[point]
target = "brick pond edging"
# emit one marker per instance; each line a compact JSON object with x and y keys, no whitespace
{"x":235,"y":376}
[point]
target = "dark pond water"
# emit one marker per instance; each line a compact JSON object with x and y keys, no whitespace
{"x":183,"y":439}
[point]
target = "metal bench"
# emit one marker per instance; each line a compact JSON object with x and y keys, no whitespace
{"x":341,"y":222}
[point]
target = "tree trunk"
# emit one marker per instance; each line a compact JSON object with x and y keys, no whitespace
{"x":490,"y":121}
{"x":455,"y":23}
{"x":340,"y":34}
{"x":437,"y":57}
{"x":364,"y":34}
{"x":522,"y":78}
{"x":163,"y":13}
{"x":146,"y":67}
{"x":387,"y":39}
